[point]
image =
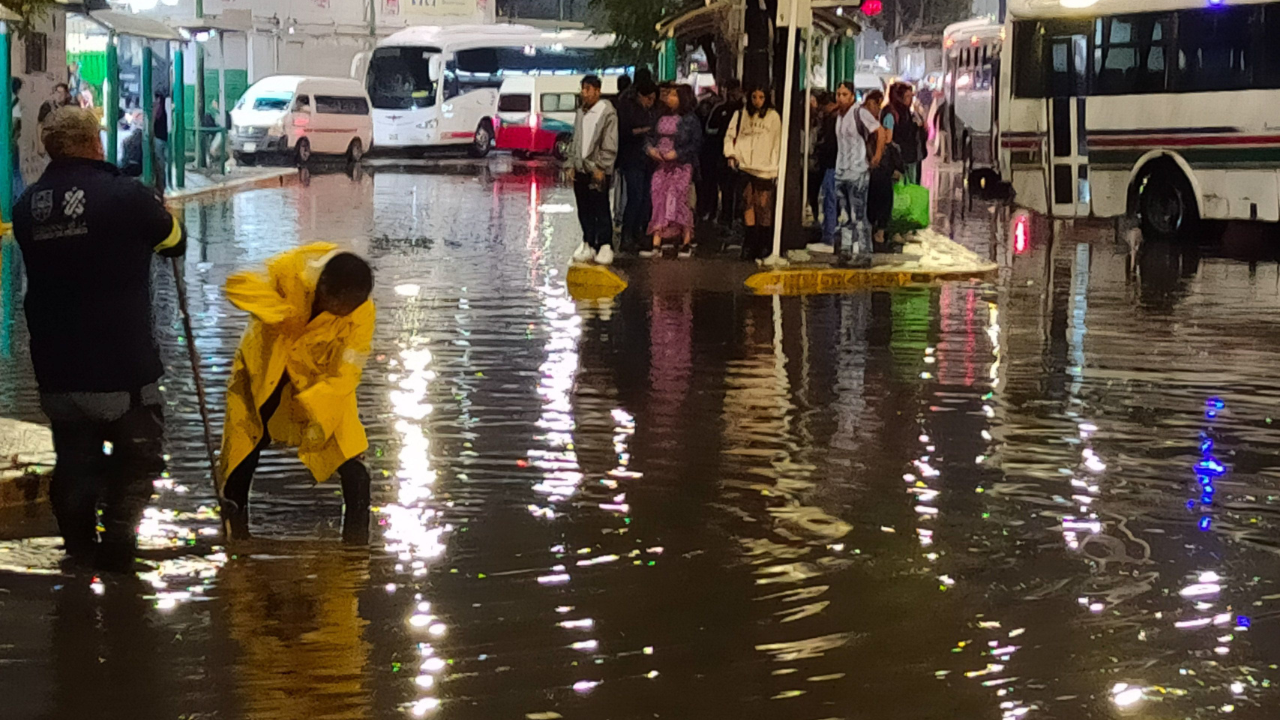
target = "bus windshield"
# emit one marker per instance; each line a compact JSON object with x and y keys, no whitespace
{"x":399,"y":78}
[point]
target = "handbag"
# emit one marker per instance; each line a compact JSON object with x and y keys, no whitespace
{"x":910,"y":208}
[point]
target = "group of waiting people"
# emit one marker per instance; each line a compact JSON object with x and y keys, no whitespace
{"x":861,"y":151}
{"x":666,"y":156}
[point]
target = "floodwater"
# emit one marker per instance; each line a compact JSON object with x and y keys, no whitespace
{"x":1050,"y":495}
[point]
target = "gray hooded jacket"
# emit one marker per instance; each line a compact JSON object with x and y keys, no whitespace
{"x":604,"y":146}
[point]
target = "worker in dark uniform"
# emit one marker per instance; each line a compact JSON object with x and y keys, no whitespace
{"x":88,"y":235}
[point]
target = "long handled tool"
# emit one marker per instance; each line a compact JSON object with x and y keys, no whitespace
{"x":194,"y":355}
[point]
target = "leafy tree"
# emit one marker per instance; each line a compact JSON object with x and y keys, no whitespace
{"x":903,"y":17}
{"x":633,"y":22}
{"x":32,"y":10}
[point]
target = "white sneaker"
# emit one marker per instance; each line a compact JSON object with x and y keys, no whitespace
{"x":605,"y":255}
{"x":820,"y":248}
{"x":584,"y":254}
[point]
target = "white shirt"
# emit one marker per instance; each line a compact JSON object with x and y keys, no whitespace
{"x":851,"y":157}
{"x":590,"y":122}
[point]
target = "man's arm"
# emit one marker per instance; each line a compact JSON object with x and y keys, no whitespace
{"x":155,"y":225}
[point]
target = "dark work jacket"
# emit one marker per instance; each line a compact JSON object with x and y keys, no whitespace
{"x":718,"y":125}
{"x":632,"y":115}
{"x":87,"y":236}
{"x":828,"y":147}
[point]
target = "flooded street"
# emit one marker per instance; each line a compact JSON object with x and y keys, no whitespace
{"x":1051,"y":495}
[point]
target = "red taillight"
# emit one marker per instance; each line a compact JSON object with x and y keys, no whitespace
{"x":533,"y":120}
{"x":1021,"y":234}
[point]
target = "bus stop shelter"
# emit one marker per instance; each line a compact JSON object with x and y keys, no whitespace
{"x":117,"y":24}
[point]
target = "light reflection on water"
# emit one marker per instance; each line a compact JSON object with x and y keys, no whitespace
{"x":1048,"y":496}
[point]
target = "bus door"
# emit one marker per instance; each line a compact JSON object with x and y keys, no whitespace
{"x":1068,"y":158}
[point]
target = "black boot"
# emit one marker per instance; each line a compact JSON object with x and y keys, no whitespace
{"x":356,"y":501}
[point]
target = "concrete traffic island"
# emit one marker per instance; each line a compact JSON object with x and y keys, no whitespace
{"x":928,"y":257}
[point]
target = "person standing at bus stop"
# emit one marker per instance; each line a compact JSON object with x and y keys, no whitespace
{"x":635,"y":119}
{"x":860,"y":148}
{"x":591,"y":159}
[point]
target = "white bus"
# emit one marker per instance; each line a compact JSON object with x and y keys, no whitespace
{"x":970,"y":65}
{"x":1165,"y":110}
{"x":438,"y":85}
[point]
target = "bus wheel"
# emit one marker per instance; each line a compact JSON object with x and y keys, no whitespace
{"x":1166,"y":203}
{"x":483,"y":139}
{"x":303,"y":151}
{"x":563,"y":144}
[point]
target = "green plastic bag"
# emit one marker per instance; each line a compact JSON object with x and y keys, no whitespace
{"x":910,"y":208}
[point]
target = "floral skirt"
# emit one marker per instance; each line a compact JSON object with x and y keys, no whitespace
{"x":669,"y":189}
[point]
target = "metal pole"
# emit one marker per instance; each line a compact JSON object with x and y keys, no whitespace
{"x":222,"y":81}
{"x":808,"y":126}
{"x":833,"y":72}
{"x":197,"y":118}
{"x":7,"y":155}
{"x":775,"y":258}
{"x":194,"y":356}
{"x":7,"y":150}
{"x":148,"y":130}
{"x":113,"y":97}
{"x":178,"y":131}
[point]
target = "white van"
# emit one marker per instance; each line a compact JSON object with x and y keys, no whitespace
{"x":301,"y":116}
{"x":536,"y":112}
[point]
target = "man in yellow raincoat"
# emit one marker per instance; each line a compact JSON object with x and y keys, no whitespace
{"x":296,"y":373}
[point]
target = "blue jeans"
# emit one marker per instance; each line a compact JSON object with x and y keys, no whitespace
{"x":852,"y":195}
{"x":830,"y":207}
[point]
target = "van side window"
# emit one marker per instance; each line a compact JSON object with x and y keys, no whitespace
{"x":302,"y":104}
{"x":341,"y":105}
{"x":559,"y":102}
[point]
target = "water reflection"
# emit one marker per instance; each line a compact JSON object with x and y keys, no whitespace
{"x":1051,"y":495}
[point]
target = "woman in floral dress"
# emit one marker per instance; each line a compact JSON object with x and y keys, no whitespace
{"x":673,"y":144}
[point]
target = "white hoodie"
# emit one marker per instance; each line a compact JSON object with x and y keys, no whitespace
{"x":754,"y":142}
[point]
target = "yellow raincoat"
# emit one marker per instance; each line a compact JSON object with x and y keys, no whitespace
{"x":324,"y":358}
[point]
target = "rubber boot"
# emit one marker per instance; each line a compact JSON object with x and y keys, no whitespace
{"x":356,"y":501}
{"x":749,"y":242}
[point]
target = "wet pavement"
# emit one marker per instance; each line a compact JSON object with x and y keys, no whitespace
{"x":1049,"y":495}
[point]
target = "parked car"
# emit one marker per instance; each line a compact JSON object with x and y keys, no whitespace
{"x":536,"y":112}
{"x":297,"y":116}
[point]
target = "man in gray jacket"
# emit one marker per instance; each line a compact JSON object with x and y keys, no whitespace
{"x":591,"y":158}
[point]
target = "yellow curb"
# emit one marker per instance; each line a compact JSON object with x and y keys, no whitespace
{"x":818,"y":281}
{"x":593,"y":282}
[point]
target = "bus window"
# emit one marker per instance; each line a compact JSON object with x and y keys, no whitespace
{"x":1215,"y":49}
{"x":1028,"y":60}
{"x":399,"y":78}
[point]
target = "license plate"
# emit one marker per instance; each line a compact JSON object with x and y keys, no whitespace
{"x":393,"y":137}
{"x":251,"y":147}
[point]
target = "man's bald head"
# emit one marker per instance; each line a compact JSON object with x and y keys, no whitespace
{"x":72,"y":132}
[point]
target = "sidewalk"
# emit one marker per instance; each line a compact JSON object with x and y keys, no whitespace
{"x":200,"y":186}
{"x":927,"y":257}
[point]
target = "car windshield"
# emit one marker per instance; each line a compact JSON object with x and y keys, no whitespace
{"x":273,"y":101}
{"x":399,"y":78}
